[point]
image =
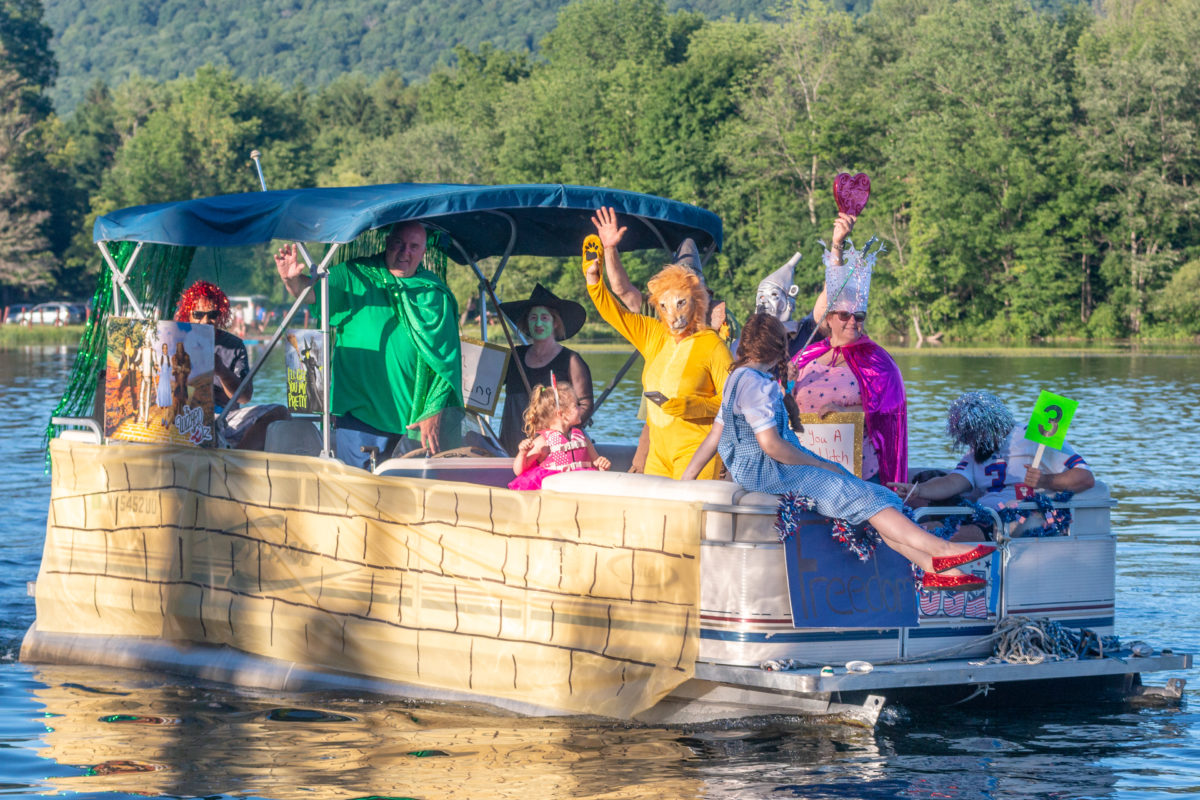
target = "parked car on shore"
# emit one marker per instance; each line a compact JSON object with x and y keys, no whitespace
{"x":15,"y":314}
{"x":56,"y":313}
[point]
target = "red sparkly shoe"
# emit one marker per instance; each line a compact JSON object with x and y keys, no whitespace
{"x":944,"y":563}
{"x":951,"y":583}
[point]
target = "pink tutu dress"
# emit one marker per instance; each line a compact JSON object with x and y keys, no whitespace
{"x":565,"y":454}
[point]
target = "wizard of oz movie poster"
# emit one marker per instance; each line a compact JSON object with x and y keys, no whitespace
{"x":159,"y":382}
{"x":305,"y":387}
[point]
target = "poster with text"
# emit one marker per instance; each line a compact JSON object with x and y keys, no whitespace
{"x":836,"y":437}
{"x":829,"y":587}
{"x":304,"y":357}
{"x":158,"y":382}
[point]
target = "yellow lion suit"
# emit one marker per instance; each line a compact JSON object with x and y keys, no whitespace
{"x":691,"y":372}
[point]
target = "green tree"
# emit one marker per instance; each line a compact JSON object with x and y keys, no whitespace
{"x":27,"y":67}
{"x":981,"y":137}
{"x":1140,"y":76}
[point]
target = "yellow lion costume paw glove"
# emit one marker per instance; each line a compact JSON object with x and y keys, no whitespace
{"x":593,"y":251}
{"x":693,"y":407}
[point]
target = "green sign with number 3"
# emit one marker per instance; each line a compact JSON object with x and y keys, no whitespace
{"x":1050,"y":419}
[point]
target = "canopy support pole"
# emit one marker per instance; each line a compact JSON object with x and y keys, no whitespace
{"x":322,"y":274}
{"x":287,"y":318}
{"x":483,"y":282}
{"x":657,"y":233}
{"x":512,"y":243}
{"x":120,"y":282}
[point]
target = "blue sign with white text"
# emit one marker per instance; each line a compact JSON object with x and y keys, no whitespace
{"x":830,"y":588}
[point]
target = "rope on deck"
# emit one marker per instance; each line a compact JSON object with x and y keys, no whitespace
{"x":1022,"y":640}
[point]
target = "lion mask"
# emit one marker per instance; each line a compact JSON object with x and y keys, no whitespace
{"x":681,"y":300}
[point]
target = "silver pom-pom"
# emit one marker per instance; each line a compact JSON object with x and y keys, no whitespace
{"x":980,"y":421}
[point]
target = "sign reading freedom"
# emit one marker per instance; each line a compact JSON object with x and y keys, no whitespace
{"x":830,"y":588}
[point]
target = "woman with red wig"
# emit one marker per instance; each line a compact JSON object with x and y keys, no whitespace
{"x":245,"y":426}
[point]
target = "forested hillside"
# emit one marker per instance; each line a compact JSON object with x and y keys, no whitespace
{"x":1034,"y":165}
{"x":310,"y":42}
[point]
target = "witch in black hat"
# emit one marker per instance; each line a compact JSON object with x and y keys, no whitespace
{"x":546,"y":319}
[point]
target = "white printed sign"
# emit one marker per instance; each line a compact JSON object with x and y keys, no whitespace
{"x":484,"y":366}
{"x":837,"y":437}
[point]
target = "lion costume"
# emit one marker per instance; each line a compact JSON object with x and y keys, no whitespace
{"x":690,"y":371}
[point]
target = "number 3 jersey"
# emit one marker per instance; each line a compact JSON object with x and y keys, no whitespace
{"x":997,"y":476}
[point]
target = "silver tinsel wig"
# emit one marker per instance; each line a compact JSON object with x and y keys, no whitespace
{"x":980,"y":421}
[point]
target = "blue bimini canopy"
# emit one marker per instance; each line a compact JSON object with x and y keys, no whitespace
{"x":548,"y":219}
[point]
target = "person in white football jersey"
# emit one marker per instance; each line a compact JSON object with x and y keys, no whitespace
{"x":999,"y":457}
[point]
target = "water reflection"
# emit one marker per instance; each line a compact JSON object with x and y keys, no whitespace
{"x":249,"y":743}
{"x":173,"y":740}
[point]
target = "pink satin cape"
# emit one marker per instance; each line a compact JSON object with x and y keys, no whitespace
{"x":883,"y":400}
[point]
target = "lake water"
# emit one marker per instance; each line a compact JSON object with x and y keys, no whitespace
{"x":105,"y":733}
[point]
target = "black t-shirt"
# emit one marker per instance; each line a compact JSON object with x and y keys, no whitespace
{"x":516,"y":399}
{"x":805,"y":328}
{"x":230,"y":351}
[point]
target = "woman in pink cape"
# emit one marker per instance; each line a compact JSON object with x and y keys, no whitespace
{"x":850,"y":372}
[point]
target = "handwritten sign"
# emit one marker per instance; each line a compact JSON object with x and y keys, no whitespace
{"x":484,"y":366}
{"x":1050,"y":419}
{"x":829,"y":587}
{"x":837,"y":437}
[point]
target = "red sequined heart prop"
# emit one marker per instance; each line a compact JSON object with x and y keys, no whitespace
{"x":851,"y":192}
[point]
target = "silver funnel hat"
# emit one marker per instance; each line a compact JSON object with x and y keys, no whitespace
{"x":776,"y":293}
{"x":688,"y":255}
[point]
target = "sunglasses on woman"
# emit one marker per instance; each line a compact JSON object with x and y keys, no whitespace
{"x":846,"y":316}
{"x":203,"y":315}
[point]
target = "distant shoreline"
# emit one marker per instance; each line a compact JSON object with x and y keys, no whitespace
{"x":15,"y":336}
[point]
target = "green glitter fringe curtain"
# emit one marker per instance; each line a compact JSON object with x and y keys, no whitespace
{"x":157,"y":280}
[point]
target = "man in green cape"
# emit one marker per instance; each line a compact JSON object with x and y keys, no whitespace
{"x":396,"y":362}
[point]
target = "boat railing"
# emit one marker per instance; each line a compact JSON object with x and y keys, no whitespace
{"x":78,"y":429}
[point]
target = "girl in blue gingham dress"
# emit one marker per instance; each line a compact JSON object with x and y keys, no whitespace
{"x":763,"y":455}
{"x":758,"y":400}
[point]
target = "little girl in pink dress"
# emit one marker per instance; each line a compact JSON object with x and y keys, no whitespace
{"x":555,"y":444}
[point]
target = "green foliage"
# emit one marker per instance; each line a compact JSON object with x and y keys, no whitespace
{"x":1176,"y":307}
{"x":1033,"y":163}
{"x":1140,"y":75}
{"x":306,"y":42}
{"x":26,"y":68}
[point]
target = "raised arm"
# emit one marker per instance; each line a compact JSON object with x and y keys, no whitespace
{"x":641,"y":331}
{"x":841,"y":229}
{"x":605,"y":220}
{"x":293,"y":272}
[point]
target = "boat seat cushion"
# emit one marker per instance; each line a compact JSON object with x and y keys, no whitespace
{"x":627,"y":484}
{"x":298,"y":437}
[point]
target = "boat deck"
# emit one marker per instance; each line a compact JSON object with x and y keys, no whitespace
{"x":949,"y":672}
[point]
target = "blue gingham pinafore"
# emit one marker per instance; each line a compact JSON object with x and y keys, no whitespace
{"x":838,"y":496}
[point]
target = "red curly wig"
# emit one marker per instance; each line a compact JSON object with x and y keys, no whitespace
{"x":203,"y":290}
